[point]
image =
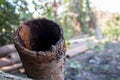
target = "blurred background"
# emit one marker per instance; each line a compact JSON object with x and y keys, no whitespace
{"x":91,"y":30}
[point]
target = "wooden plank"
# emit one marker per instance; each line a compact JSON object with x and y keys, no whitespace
{"x":11,"y":67}
{"x":76,"y":51}
{"x":81,"y":46}
{"x":6,"y":76}
{"x":82,"y":39}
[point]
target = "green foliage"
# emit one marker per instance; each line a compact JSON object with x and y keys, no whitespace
{"x":112,"y":31}
{"x":48,"y":13}
{"x":68,"y":44}
{"x":44,"y":8}
{"x":89,"y":44}
{"x":8,"y":20}
{"x":106,"y":67}
{"x":82,"y":9}
{"x":14,"y":12}
{"x":100,"y":47}
{"x":68,"y":25}
{"x":21,"y":8}
{"x":75,"y":65}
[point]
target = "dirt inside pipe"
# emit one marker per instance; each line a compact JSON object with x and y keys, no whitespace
{"x":39,"y":34}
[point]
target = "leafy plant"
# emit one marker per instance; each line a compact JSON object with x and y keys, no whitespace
{"x":112,"y":29}
{"x":12,"y":12}
{"x":100,"y":47}
{"x":8,"y":20}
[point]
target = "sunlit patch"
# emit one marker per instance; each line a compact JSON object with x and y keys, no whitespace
{"x":12,"y":31}
{"x":104,"y":6}
{"x":3,"y":30}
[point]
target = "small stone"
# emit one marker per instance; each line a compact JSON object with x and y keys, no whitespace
{"x":95,"y":60}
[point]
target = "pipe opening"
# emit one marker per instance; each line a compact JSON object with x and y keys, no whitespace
{"x":39,"y":34}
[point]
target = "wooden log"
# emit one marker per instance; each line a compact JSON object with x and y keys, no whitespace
{"x":76,"y":51}
{"x":10,"y":59}
{"x":4,"y":50}
{"x":82,"y":39}
{"x":11,"y":67}
{"x":42,"y":51}
{"x":6,"y":76}
{"x":81,"y":46}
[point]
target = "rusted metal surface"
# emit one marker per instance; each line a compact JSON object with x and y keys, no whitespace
{"x":44,"y":58}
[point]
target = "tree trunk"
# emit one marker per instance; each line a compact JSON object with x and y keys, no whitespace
{"x":96,"y":27}
{"x":41,"y":47}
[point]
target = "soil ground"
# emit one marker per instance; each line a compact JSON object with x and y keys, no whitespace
{"x":95,"y":65}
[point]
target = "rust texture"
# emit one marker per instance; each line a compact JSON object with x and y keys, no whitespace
{"x":24,"y":32}
{"x":41,"y":49}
